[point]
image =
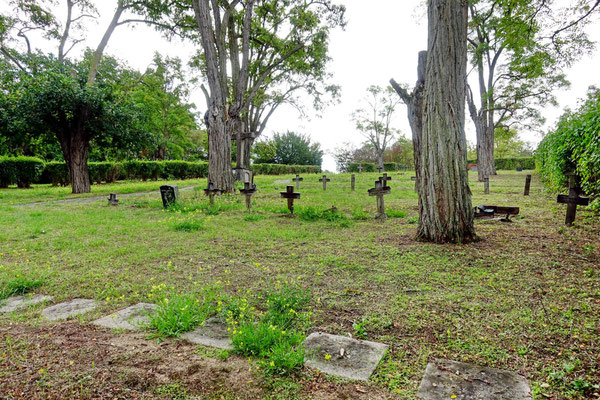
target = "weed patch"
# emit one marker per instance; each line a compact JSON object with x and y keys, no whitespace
{"x":18,"y":286}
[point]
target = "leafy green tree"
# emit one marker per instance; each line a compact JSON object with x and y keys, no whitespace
{"x":507,"y":144}
{"x":81,"y":101}
{"x":161,"y":94}
{"x":518,"y":50}
{"x":401,"y":152}
{"x":374,"y":120}
{"x":296,"y":149}
{"x":264,"y":152}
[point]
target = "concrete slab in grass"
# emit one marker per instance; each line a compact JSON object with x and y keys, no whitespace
{"x":69,"y":309}
{"x":131,"y":318}
{"x":17,"y":302}
{"x":213,"y":333}
{"x":343,"y":356}
{"x":445,"y":379}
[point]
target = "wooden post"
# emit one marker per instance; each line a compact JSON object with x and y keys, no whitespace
{"x":486,"y":185}
{"x":527,"y":185}
{"x":353,"y":181}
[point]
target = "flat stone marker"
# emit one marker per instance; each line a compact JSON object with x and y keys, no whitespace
{"x":212,"y":334}
{"x":131,"y":318}
{"x":69,"y":309}
{"x":349,"y":358}
{"x":17,"y":302}
{"x":445,"y":379}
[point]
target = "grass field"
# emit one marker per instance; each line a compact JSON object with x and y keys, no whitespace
{"x":526,"y":297}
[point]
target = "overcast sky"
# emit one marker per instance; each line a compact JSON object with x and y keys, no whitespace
{"x":381,"y":41}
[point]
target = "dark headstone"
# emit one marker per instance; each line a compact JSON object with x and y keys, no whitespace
{"x":169,"y":194}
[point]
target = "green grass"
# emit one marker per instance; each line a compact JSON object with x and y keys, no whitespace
{"x":18,"y":285}
{"x":525,"y":298}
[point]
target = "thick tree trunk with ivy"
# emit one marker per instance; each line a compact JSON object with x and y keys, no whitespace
{"x":446,"y":213}
{"x":219,"y":149}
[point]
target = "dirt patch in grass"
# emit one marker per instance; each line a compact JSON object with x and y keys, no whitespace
{"x":69,"y":360}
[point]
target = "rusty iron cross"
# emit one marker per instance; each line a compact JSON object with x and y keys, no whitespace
{"x":290,"y":195}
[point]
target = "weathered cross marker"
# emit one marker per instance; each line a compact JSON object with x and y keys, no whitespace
{"x":352,"y":181}
{"x":290,"y":196}
{"x":211,"y":190}
{"x":572,"y":200}
{"x":385,"y":178}
{"x":527,"y":185}
{"x":324,"y":179}
{"x":112,"y":199}
{"x":380,"y":190}
{"x":360,"y":168}
{"x":248,"y":190}
{"x":486,"y":185}
{"x":297,"y":179}
{"x":379,"y":169}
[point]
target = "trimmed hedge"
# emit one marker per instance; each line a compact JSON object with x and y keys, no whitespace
{"x":371,"y":167}
{"x":282,"y":169}
{"x":22,"y":171}
{"x":57,"y":173}
{"x":511,"y":164}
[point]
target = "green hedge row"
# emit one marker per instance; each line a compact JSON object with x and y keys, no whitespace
{"x":371,"y":167}
{"x":573,"y":146}
{"x":58,"y":174}
{"x":282,"y":169}
{"x":511,"y":164}
{"x":22,"y":171}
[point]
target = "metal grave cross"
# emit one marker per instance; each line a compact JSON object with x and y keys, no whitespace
{"x":572,"y":200}
{"x":297,"y":179}
{"x":380,"y":190}
{"x":248,"y":190}
{"x":324,"y":179}
{"x":290,"y":195}
{"x":211,"y":190}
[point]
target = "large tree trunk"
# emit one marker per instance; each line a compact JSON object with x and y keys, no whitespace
{"x":446,"y":213}
{"x":219,"y":149}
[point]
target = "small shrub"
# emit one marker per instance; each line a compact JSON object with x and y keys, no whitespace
{"x":189,"y":225}
{"x":284,"y":306}
{"x":395,"y":213}
{"x":257,"y":339}
{"x":283,"y":359}
{"x":181,"y":313}
{"x":413,"y":220}
{"x":360,"y":215}
{"x":19,"y":286}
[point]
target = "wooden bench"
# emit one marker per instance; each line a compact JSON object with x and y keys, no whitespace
{"x":492,"y":211}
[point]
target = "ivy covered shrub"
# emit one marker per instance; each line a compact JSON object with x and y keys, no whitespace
{"x":573,"y":146}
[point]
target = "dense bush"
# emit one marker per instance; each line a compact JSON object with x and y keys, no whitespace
{"x":281,"y":169}
{"x":573,"y":146}
{"x":22,"y":171}
{"x":371,"y":167}
{"x":58,"y":174}
{"x":511,"y":164}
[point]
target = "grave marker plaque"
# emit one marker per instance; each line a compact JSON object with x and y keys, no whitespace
{"x":169,"y":194}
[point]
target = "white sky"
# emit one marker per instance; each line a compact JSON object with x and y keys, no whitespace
{"x":381,"y":41}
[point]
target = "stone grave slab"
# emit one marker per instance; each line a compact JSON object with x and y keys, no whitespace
{"x":69,"y":309}
{"x":282,"y":181}
{"x":343,"y":356}
{"x":445,"y":379}
{"x":213,"y":333}
{"x":131,"y":318}
{"x":17,"y":302}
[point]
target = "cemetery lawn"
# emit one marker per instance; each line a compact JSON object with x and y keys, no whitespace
{"x":525,"y":298}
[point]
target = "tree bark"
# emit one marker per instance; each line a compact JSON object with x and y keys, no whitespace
{"x":446,"y":213}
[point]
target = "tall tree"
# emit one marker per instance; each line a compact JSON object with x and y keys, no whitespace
{"x":446,"y":213}
{"x":29,"y":16}
{"x":374,"y":121}
{"x":518,"y":49}
{"x":246,"y":48}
